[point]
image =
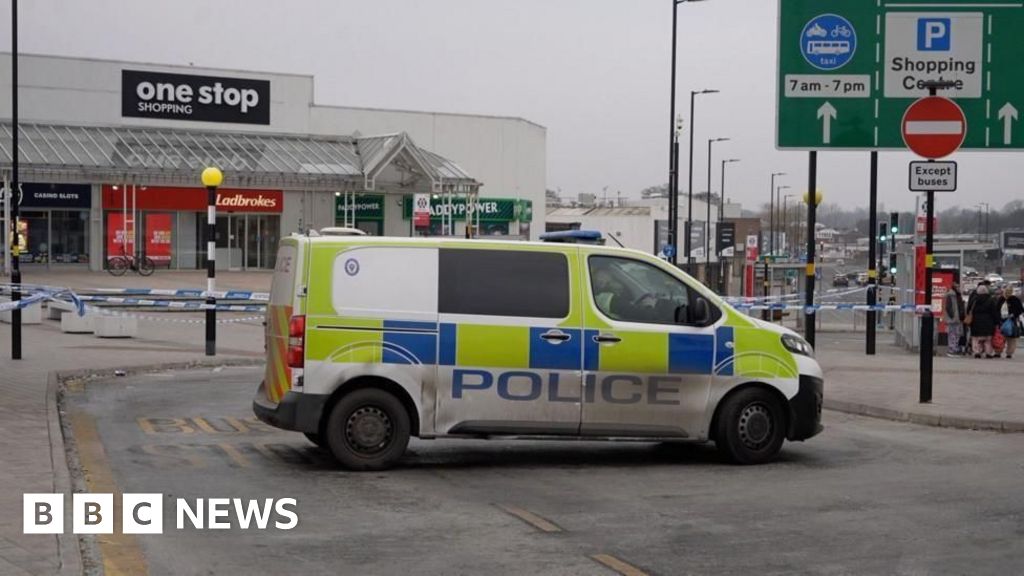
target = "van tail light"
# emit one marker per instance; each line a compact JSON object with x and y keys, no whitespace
{"x":296,"y":341}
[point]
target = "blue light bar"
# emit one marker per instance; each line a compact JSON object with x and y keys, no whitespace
{"x":574,"y":237}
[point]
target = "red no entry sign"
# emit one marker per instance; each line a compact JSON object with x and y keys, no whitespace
{"x":934,"y":127}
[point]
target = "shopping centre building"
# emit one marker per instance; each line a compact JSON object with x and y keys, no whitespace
{"x":112,"y":151}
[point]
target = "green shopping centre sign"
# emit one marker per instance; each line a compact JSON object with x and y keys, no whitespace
{"x":849,"y":69}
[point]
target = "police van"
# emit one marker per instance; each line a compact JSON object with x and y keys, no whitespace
{"x":372,"y":340}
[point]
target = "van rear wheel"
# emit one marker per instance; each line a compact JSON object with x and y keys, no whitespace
{"x":751,"y":427}
{"x":368,"y":430}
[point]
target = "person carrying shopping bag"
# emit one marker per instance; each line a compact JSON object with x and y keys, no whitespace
{"x":983,"y":314}
{"x":1010,"y":311}
{"x":953,"y":313}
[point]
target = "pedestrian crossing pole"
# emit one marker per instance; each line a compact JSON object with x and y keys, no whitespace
{"x":212,"y":178}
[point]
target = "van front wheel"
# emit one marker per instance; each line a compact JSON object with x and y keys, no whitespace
{"x":751,"y":427}
{"x":368,"y":430}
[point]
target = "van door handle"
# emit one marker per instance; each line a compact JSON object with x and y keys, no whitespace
{"x":556,"y":336}
{"x":607,"y":339}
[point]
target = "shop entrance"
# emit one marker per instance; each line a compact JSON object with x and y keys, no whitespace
{"x":246,"y":241}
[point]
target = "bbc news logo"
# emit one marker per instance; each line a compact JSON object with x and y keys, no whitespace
{"x":144,"y":514}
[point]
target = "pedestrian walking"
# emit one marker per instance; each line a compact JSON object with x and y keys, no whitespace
{"x":968,"y":331}
{"x":953,"y":313}
{"x":983,"y":317}
{"x":1010,"y":311}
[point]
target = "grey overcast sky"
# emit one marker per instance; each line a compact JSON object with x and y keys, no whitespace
{"x":594,"y":72}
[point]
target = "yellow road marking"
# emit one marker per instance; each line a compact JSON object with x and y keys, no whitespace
{"x":121,"y":552}
{"x":622,"y":567}
{"x":235,"y":455}
{"x":530,"y":518}
{"x":237,"y":424}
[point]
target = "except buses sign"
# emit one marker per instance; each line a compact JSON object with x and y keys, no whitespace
{"x":849,"y":69}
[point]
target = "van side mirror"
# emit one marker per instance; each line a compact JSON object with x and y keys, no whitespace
{"x":682,"y":315}
{"x":701,"y":312}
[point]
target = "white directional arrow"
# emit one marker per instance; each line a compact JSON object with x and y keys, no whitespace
{"x":827,"y":113}
{"x":1007,"y":114}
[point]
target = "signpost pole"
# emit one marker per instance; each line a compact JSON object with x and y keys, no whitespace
{"x":927,"y":320}
{"x":15,"y":189}
{"x":872,"y":267}
{"x":673,"y":149}
{"x":812,"y":216}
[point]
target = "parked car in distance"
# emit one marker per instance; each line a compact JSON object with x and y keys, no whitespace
{"x":840,"y":280}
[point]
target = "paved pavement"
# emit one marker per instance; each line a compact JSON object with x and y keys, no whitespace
{"x":27,"y":413}
{"x":968,"y":392}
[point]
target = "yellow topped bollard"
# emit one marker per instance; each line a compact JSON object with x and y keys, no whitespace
{"x":212,"y":178}
{"x":818,"y":197}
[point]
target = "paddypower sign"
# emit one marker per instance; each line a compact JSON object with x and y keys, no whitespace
{"x":198,"y":98}
{"x":489,"y":209}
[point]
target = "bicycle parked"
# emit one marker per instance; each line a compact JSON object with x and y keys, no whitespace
{"x":118,"y":265}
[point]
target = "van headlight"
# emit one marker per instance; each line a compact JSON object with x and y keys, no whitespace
{"x":797,"y":345}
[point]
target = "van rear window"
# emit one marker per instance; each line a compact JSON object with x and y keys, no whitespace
{"x":503,"y":283}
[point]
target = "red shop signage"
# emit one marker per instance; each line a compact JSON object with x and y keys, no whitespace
{"x":194,"y":199}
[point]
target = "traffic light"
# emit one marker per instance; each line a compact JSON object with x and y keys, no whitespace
{"x":892,"y":265}
{"x":882,"y":233}
{"x":894,"y":223}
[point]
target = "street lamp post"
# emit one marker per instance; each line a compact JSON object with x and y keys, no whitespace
{"x":212,"y":178}
{"x":778,"y":207}
{"x":673,"y":195}
{"x":988,"y":212}
{"x":707,"y":225}
{"x":785,"y":220}
{"x":771,"y":215}
{"x":721,"y":201}
{"x":689,"y":191}
{"x":673,"y":152}
{"x":721,"y":218}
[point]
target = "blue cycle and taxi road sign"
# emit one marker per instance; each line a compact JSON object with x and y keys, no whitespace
{"x":850,"y":69}
{"x":828,"y":42}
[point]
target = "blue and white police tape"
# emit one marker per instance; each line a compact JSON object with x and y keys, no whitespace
{"x":40,"y":296}
{"x":175,"y":304}
{"x":185,"y":293}
{"x":794,"y":296}
{"x":839,"y":306}
{"x":173,"y":318}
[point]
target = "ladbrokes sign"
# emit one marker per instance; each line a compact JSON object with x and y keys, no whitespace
{"x":199,"y":98}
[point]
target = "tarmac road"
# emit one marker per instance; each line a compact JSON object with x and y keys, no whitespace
{"x":865,"y":497}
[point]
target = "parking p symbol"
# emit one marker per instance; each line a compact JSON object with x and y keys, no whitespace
{"x":934,"y":34}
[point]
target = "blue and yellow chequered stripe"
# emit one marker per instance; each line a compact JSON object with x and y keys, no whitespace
{"x":495,"y":346}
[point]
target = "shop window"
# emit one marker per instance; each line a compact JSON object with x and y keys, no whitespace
{"x":69,"y":236}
